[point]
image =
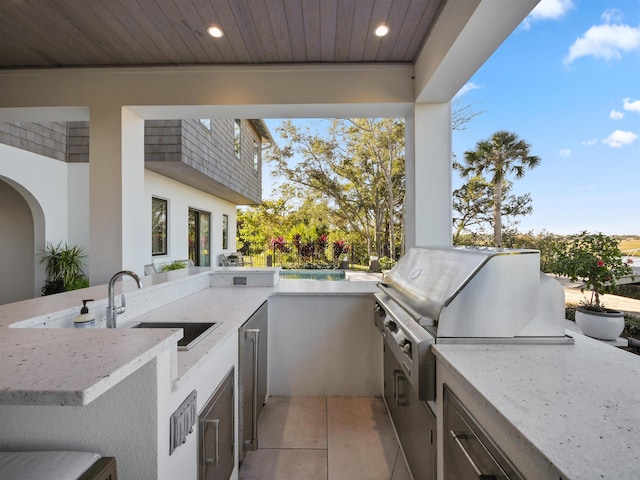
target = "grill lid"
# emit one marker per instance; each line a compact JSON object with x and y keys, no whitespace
{"x":473,"y":292}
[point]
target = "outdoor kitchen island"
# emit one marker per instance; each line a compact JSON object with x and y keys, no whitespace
{"x":557,"y":411}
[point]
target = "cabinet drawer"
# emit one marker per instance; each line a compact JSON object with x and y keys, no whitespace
{"x":469,"y":453}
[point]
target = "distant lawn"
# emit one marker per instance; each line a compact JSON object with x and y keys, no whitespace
{"x":630,"y":244}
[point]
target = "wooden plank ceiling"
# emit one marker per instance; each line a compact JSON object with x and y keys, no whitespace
{"x":75,"y":33}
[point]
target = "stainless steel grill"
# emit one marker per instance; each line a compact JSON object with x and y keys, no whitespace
{"x":463,"y":295}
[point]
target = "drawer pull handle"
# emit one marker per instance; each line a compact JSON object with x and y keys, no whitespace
{"x":457,"y":437}
{"x":254,"y":380}
{"x":216,"y":427}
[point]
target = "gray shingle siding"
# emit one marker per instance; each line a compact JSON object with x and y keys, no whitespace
{"x":209,"y":152}
{"x":48,"y":139}
{"x":175,"y":148}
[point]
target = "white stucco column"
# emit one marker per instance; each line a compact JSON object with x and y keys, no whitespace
{"x":428,"y":165}
{"x":116,"y":177}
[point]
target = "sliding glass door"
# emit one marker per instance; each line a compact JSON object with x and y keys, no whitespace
{"x":199,"y":237}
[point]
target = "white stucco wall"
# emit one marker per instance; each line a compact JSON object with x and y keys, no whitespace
{"x":78,"y":206}
{"x":43,"y":183}
{"x":46,"y":180}
{"x":17,"y":240}
{"x":97,"y":427}
{"x":180,"y":198}
{"x":58,"y":195}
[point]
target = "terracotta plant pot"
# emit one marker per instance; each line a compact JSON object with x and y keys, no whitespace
{"x":606,"y":325}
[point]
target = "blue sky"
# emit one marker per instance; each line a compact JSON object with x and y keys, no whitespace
{"x":568,"y":82}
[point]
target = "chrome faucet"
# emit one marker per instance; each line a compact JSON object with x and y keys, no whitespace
{"x":112,"y":310}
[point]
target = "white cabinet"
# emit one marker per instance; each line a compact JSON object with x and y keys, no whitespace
{"x":324,"y":345}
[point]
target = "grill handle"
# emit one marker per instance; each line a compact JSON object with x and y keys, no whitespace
{"x":410,"y":310}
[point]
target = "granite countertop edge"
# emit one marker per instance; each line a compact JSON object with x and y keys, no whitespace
{"x":241,"y":301}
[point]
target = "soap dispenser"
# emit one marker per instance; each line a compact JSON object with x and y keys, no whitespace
{"x":84,"y":319}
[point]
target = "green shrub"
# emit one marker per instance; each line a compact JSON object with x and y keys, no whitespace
{"x":386,"y":263}
{"x":63,"y":265}
{"x":177,"y":265}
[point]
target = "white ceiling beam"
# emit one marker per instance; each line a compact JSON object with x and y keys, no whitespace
{"x":201,"y":92}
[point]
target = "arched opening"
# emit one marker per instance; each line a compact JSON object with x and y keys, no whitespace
{"x":21,"y":237}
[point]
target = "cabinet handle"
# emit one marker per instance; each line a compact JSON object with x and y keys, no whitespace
{"x":216,"y":427}
{"x":397,"y":378}
{"x":255,"y":333}
{"x":457,"y":437}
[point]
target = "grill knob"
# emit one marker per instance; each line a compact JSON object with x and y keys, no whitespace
{"x":391,"y":325}
{"x":406,"y":346}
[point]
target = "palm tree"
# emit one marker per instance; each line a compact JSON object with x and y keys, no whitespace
{"x":496,"y":158}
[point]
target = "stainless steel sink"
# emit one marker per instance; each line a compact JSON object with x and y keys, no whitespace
{"x":193,"y":332}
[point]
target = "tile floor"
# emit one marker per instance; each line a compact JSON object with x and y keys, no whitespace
{"x":325,"y":438}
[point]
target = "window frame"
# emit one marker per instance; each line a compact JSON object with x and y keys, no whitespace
{"x":256,"y":156}
{"x":237,"y":137}
{"x":225,"y":231}
{"x":164,"y":230}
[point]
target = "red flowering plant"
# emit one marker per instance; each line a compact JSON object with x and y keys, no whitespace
{"x":279,"y":244}
{"x":339,"y":247}
{"x":592,"y":258}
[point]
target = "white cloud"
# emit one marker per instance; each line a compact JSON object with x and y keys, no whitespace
{"x":612,"y":15}
{"x":466,"y":88}
{"x":547,"y":10}
{"x":565,"y":152}
{"x":631,"y":105}
{"x":551,"y":9}
{"x":616,"y":115}
{"x":606,"y":42}
{"x":589,"y":143}
{"x":620,"y":138}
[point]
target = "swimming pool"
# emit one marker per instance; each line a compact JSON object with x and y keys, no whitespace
{"x":313,"y":274}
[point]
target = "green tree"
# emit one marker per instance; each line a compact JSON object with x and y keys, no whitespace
{"x":473,"y":206}
{"x":358,"y":168}
{"x":256,"y":225}
{"x":496,"y":158}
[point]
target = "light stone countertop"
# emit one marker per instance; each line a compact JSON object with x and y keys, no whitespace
{"x":72,"y":366}
{"x":67,"y":366}
{"x":578,"y":405}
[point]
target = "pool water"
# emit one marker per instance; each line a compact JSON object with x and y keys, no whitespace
{"x":313,"y":274}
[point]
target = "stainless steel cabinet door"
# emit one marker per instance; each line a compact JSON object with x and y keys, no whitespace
{"x":252,"y":376}
{"x":414,"y":421}
{"x":216,"y":423}
{"x":469,"y":453}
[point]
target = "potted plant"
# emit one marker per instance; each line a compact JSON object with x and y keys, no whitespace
{"x":63,"y":265}
{"x":596,"y":260}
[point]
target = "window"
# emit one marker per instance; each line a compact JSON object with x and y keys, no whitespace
{"x":206,"y":123}
{"x":225,"y":231}
{"x":237,"y":136}
{"x":158,"y":226}
{"x":256,"y":156}
{"x":199,"y":238}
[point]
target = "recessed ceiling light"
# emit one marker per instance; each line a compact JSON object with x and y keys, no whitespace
{"x":381,"y":30}
{"x":215,"y":31}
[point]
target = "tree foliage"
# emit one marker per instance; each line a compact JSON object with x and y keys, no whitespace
{"x":358,"y":168}
{"x":473,"y":206}
{"x":496,"y":158}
